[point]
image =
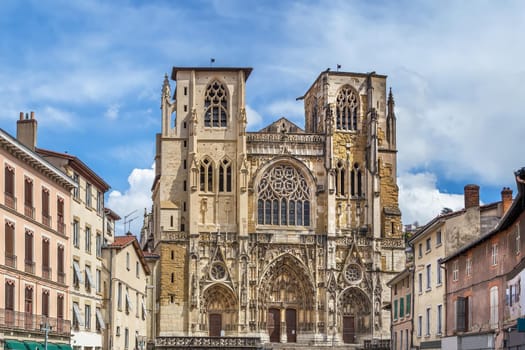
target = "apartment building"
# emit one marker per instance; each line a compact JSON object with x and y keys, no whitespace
{"x":433,"y":242}
{"x":85,"y":246}
{"x":484,"y":288}
{"x":128,"y":273}
{"x":402,"y":292}
{"x":35,"y":244}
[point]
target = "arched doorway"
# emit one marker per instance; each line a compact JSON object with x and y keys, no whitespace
{"x":287,"y":297}
{"x":220,"y":304}
{"x":355,"y":312}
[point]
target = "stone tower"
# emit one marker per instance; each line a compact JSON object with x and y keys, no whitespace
{"x":281,"y":235}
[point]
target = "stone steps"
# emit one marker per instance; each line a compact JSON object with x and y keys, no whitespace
{"x":293,"y":346}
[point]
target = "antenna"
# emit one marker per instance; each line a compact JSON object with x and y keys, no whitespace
{"x":128,"y":221}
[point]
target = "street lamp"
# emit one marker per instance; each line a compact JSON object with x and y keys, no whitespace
{"x":46,"y":328}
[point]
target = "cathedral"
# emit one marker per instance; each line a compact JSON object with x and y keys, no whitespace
{"x":284,"y":235}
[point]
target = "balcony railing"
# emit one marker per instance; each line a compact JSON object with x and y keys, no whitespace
{"x":46,"y":219}
{"x":61,"y":227}
{"x":61,"y":277}
{"x":10,"y":260}
{"x":46,"y":272}
{"x":207,"y":342}
{"x":29,"y":211}
{"x":29,"y":266}
{"x":15,"y":320}
{"x":10,"y":200}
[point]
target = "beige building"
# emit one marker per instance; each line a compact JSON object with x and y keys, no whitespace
{"x":126,"y":310}
{"x":35,"y":244}
{"x":285,"y":235}
{"x":433,"y":242}
{"x":88,"y":234}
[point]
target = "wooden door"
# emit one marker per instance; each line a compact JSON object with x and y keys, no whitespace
{"x":215,"y":325}
{"x":274,"y":325}
{"x":291,"y":325}
{"x":348,"y":329}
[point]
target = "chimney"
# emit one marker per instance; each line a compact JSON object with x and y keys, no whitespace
{"x":506,"y":199}
{"x":26,"y":128}
{"x":471,"y":196}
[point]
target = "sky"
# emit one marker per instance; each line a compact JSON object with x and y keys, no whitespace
{"x":92,"y":71}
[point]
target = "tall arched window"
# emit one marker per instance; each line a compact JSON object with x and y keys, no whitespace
{"x":356,"y":181}
{"x":225,"y":176}
{"x":206,"y":176}
{"x":284,"y":197}
{"x":216,"y":105}
{"x":346,"y":109}
{"x":340,"y":179}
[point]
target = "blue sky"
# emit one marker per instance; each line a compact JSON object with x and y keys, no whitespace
{"x":92,"y":72}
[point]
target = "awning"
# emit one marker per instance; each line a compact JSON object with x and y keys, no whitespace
{"x":128,"y":301}
{"x":14,"y":344}
{"x":78,"y":315}
{"x":65,"y":346}
{"x":100,"y":319}
{"x":33,"y":345}
{"x":89,"y":278}
{"x":51,"y":346}
{"x":78,"y":273}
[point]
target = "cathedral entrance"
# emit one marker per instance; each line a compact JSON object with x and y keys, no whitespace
{"x":274,"y":325}
{"x":287,"y":296}
{"x":215,"y":326}
{"x":356,"y":313}
{"x":220,"y":304}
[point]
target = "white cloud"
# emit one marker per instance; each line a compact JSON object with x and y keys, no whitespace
{"x":133,"y":200}
{"x":52,"y":116}
{"x":254,"y":118}
{"x":112,"y":111}
{"x":290,"y":109}
{"x":420,"y":200}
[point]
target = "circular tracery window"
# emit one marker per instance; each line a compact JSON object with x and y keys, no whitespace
{"x":353,"y":273}
{"x":218,"y":271}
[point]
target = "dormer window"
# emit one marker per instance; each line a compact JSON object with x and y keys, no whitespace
{"x":216,"y":105}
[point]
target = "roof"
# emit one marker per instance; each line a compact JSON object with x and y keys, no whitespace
{"x":247,"y":70}
{"x":77,"y":165}
{"x":112,"y":214}
{"x":122,"y":242}
{"x":399,"y":276}
{"x":515,"y":210}
{"x":19,"y":150}
{"x":275,"y":127}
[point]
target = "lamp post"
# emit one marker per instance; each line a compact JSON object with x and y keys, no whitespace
{"x":46,"y":328}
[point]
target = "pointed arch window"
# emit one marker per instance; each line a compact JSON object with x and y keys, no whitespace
{"x":356,"y":179}
{"x":347,"y":106}
{"x":283,"y":198}
{"x":340,"y":179}
{"x":225,"y":176}
{"x":216,"y":105}
{"x":206,"y":176}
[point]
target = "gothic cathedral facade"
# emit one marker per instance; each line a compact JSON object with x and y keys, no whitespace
{"x":288,"y":235}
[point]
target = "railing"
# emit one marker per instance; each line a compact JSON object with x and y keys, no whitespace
{"x":377,"y":344}
{"x":61,"y":277}
{"x":21,"y":320}
{"x":10,"y":260}
{"x":10,"y":200}
{"x":46,"y":272}
{"x":208,"y":342}
{"x":29,"y":211}
{"x":29,"y":266}
{"x":61,"y":227}
{"x":46,"y":219}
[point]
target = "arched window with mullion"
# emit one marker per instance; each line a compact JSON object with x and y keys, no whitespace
{"x":225,"y":176}
{"x":347,"y":106}
{"x":216,"y":105}
{"x":206,"y":175}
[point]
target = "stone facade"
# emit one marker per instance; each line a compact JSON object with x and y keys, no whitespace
{"x":285,"y":234}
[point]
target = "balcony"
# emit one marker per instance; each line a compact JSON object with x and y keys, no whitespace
{"x":10,"y":200}
{"x":14,"y":320}
{"x":29,"y":211}
{"x":46,"y":272}
{"x":46,"y":219}
{"x":61,"y":277}
{"x":29,"y":266}
{"x":10,"y":260}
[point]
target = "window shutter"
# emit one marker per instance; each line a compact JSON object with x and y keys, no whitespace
{"x":45,"y":252}
{"x":9,"y":239}
{"x":28,"y":187}
{"x":60,"y":258}
{"x":45,"y":303}
{"x":9,"y":296}
{"x":460,"y":314}
{"x":60,"y":306}
{"x":9,"y":181}
{"x":29,"y":246}
{"x":45,"y":202}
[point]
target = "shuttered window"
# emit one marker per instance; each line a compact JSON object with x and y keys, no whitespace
{"x":60,"y":259}
{"x":45,"y":303}
{"x":29,"y":246}
{"x":9,"y":238}
{"x":45,"y":202}
{"x":9,"y":185}
{"x":45,"y":252}
{"x":60,"y":306}
{"x":9,"y":295}
{"x":28,"y":192}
